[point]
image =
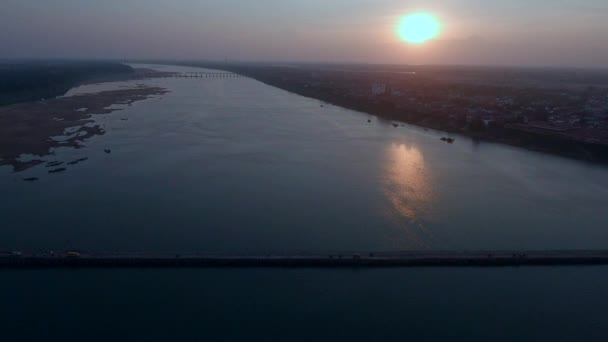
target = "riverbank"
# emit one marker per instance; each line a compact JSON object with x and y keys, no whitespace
{"x":350,"y":92}
{"x":32,"y":80}
{"x":35,"y":128}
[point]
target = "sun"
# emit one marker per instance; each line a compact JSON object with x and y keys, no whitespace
{"x":418,"y":28}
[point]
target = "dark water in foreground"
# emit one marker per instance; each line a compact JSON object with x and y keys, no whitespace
{"x":235,"y":166}
{"x":465,"y":304}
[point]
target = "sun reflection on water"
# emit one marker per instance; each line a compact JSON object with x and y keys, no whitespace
{"x":409,"y":188}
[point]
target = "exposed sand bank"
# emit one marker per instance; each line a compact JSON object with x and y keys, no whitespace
{"x":27,"y":128}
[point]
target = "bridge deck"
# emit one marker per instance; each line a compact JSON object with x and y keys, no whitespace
{"x":490,"y":259}
{"x":186,"y":75}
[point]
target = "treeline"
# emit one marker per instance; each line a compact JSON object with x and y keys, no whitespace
{"x":22,"y":81}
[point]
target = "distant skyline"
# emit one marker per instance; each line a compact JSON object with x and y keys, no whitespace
{"x":478,"y":32}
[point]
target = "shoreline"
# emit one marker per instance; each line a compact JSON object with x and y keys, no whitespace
{"x":31,"y":81}
{"x":549,"y":145}
{"x":27,"y":128}
{"x":593,"y":153}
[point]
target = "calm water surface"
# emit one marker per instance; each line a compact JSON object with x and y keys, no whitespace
{"x":477,"y":304}
{"x":235,"y":166}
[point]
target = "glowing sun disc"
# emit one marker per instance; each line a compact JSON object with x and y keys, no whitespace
{"x":418,"y":28}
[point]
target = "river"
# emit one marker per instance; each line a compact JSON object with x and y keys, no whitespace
{"x":234,"y":166}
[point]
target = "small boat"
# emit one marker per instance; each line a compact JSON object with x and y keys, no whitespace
{"x":72,"y":254}
{"x":55,"y":163}
{"x":77,"y":161}
{"x":61,"y":169}
{"x":450,"y":140}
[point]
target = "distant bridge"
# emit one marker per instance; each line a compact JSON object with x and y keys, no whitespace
{"x":186,"y":75}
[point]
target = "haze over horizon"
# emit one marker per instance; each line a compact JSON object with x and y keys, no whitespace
{"x":473,"y":32}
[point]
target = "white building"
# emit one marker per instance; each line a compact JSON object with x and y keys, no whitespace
{"x":378,"y":89}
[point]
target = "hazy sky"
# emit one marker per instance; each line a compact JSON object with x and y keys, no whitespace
{"x":509,"y":32}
